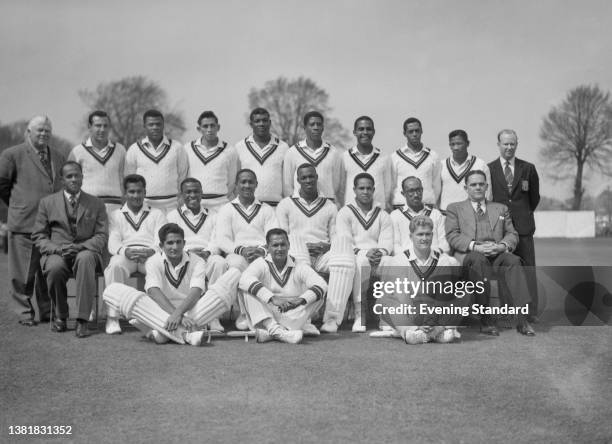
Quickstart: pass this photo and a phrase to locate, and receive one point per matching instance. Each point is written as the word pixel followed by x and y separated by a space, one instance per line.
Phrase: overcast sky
pixel 476 65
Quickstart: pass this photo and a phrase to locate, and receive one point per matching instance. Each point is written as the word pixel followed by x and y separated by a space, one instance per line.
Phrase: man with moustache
pixel 515 183
pixel 264 153
pixel 28 172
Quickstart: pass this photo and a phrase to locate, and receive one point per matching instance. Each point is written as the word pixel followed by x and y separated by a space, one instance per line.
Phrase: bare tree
pixel 126 100
pixel 288 101
pixel 578 134
pixel 14 134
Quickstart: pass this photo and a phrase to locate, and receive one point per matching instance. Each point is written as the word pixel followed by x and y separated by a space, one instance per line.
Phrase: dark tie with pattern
pixel 479 209
pixel 508 174
pixel 45 161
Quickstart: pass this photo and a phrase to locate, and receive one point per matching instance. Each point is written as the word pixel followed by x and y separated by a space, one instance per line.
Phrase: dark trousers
pixel 526 251
pixel 26 276
pixel 57 271
pixel 507 267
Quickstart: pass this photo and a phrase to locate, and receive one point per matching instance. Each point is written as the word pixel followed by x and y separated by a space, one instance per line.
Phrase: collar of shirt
pixel 369 213
pixel 455 164
pixel 303 145
pixel 296 193
pixel 200 146
pixel 410 152
pixel 149 145
pixel 89 144
pixel 67 195
pixel 503 163
pixel 483 205
pixel 187 212
pixel 411 211
pixel 125 209
pixel 356 152
pixel 183 261
pixel 289 263
pixel 274 140
pixel 419 262
pixel 248 209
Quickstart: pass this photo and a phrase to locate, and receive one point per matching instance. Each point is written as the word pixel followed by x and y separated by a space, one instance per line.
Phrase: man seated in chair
pixel 132 239
pixel 369 227
pixel 483 238
pixel 71 231
pixel 175 306
pixel 421 264
pixel 279 296
pixel 198 225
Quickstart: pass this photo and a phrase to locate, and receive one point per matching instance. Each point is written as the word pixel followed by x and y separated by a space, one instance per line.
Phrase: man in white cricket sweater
pixel 423 264
pixel 213 162
pixel 132 239
pixel 102 161
pixel 412 189
pixel 320 154
pixel 161 161
pixel 369 226
pixel 199 226
pixel 415 159
pixel 366 158
pixel 279 295
pixel 455 168
pixel 176 305
pixel 263 153
pixel 241 227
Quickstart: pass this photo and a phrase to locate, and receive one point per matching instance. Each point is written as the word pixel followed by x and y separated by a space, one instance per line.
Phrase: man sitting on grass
pixel 175 306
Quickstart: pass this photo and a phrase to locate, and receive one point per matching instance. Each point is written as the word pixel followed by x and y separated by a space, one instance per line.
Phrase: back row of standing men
pixel 165 163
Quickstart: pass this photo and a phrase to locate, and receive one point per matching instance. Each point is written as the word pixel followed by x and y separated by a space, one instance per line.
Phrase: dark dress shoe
pixel 533 319
pixel 59 325
pixel 490 330
pixel 81 330
pixel 525 329
pixel 28 322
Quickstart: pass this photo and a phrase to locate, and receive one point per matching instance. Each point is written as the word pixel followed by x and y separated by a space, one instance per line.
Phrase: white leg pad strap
pixel 341 274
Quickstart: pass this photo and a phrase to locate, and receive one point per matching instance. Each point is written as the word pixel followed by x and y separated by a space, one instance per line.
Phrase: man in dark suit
pixel 515 183
pixel 483 237
pixel 71 231
pixel 28 172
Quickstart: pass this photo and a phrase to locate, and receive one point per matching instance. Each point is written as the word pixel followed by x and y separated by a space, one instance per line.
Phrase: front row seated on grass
pixel 279 296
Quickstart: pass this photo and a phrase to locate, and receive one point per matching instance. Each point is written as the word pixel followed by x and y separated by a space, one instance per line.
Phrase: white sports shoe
pixel 242 323
pixel 194 337
pixel 384 334
pixel 261 336
pixel 446 336
pixel 357 327
pixel 415 337
pixel 329 326
pixel 215 325
pixel 282 334
pixel 112 326
pixel 157 337
pixel 385 328
pixel 310 330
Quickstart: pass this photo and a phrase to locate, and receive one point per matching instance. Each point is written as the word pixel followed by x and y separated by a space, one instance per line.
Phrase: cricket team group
pixel 278 236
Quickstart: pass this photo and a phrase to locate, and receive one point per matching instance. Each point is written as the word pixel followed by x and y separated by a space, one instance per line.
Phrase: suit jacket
pixel 24 181
pixel 524 196
pixel 461 225
pixel 52 229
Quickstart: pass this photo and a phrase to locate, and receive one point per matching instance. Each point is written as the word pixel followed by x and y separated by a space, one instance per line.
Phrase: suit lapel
pixel 497 173
pixel 82 205
pixel 36 160
pixel 518 170
pixel 468 215
pixel 493 215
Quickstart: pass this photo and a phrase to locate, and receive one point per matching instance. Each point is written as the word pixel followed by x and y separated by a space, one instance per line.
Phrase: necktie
pixel 508 174
pixel 45 161
pixel 479 209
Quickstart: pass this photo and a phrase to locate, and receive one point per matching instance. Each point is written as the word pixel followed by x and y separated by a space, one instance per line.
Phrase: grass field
pixel 337 388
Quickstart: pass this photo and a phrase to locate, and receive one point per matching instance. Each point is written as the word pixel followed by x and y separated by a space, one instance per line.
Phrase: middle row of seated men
pixel 348 244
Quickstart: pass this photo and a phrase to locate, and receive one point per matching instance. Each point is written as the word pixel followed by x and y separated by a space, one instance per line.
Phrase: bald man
pixel 28 172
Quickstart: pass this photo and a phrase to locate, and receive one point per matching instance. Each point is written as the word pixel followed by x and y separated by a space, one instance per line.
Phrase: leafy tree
pixel 288 101
pixel 577 134
pixel 126 100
